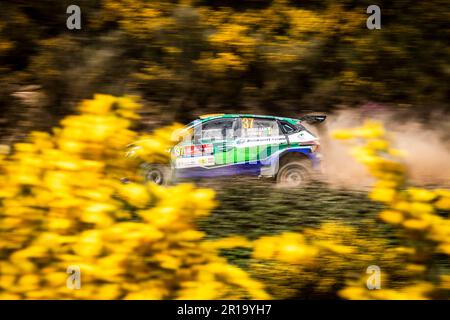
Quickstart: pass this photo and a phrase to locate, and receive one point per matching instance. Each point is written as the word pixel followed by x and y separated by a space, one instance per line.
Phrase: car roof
pixel 209 117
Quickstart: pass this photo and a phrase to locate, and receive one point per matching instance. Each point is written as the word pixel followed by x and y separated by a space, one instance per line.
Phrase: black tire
pixel 156 173
pixel 294 173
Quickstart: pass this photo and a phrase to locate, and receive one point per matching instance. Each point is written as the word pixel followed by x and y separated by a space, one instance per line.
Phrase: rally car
pixel 242 144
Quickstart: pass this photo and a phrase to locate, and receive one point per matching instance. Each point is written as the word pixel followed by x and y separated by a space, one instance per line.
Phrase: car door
pixel 220 134
pixel 207 150
pixel 258 139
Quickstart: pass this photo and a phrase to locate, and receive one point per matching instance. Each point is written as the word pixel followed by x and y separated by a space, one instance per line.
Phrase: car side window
pixel 216 130
pixel 287 128
pixel 257 128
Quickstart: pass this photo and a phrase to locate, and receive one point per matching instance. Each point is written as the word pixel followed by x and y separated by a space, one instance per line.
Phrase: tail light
pixel 315 147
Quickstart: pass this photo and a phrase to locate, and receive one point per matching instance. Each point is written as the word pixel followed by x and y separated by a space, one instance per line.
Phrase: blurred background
pixel 191 57
pixel 278 57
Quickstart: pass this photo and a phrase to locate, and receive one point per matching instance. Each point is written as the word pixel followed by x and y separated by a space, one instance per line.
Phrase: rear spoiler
pixel 313 119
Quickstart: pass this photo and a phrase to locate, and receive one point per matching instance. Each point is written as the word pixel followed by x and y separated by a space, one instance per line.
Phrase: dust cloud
pixel 427 147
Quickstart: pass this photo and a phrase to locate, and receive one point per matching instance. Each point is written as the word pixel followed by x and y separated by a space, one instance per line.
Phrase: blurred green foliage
pixel 186 57
pixel 274 210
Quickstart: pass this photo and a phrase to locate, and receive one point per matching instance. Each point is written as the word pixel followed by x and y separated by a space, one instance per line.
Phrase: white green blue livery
pixel 243 144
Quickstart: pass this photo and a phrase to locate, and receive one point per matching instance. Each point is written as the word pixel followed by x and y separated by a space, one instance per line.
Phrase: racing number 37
pixel 247 123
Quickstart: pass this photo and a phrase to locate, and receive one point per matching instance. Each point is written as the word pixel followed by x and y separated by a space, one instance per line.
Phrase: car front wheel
pixel 158 174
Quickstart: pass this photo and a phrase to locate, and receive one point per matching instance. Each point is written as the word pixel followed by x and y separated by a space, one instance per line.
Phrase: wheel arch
pixel 292 155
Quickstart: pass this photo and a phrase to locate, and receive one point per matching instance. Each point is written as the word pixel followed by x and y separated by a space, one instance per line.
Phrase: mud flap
pixel 270 170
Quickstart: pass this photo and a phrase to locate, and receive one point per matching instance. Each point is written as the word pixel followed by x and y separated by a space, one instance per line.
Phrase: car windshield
pixel 193 123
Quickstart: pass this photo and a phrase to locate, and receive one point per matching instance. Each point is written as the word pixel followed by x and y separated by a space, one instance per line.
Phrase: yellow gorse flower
pixel 62 204
pixel 413 210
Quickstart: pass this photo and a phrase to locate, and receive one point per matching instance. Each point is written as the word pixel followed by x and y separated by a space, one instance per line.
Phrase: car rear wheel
pixel 294 173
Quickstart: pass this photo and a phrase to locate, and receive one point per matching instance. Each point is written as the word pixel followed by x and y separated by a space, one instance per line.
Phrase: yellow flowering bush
pixel 316 262
pixel 62 204
pixel 154 148
pixel 332 259
pixel 420 215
